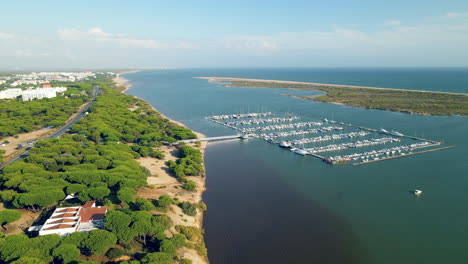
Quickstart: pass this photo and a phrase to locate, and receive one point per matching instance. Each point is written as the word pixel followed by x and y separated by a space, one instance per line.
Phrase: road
pixel 62 130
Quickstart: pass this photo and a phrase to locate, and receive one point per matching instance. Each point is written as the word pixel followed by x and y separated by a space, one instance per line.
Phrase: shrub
pixel 192 233
pixel 114 253
pixel 190 186
pixel 188 208
pixel 165 201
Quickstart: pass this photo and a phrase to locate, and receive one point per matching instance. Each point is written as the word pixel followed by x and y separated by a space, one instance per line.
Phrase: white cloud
pixel 393 23
pixel 433 41
pixel 251 43
pixel 99 36
pixel 453 15
pixel 6 35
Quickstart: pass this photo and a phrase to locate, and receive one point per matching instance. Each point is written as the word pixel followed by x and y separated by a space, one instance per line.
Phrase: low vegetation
pixel 189 163
pixel 424 102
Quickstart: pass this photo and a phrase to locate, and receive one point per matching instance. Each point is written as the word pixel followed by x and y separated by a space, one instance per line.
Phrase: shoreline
pixel 421 102
pixel 160 176
pixel 230 79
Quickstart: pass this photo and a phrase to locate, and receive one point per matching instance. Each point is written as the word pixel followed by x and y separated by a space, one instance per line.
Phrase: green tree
pixel 186 261
pixel 7 195
pixel 190 186
pixel 75 238
pixel 188 208
pixel 75 188
pixel 190 232
pixel 165 201
pixel 157 258
pixel 28 260
pixel 99 241
pixel 98 192
pixel 114 253
pixel 179 240
pixel 8 216
pixel 168 247
pixel 144 204
pixel 126 195
pixel 66 252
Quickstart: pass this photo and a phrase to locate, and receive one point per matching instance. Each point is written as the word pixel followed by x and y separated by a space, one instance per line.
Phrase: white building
pixel 40 93
pixel 67 220
pixel 10 93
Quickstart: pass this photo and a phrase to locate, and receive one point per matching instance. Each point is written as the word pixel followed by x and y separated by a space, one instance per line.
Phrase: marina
pixel 289 131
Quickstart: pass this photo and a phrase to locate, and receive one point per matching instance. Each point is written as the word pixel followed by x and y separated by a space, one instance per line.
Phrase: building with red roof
pixel 67 220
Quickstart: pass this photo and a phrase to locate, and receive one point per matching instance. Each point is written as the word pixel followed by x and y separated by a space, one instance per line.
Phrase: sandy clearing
pixel 17 227
pixel 23 138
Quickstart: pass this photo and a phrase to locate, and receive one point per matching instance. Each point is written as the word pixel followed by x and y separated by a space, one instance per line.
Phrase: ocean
pixel 267 205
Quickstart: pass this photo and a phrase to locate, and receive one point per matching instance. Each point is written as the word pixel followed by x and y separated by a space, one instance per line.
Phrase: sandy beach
pixel 162 182
pixel 120 81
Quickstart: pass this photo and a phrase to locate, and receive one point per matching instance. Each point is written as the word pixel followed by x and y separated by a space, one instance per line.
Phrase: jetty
pixel 403 155
pixel 220 138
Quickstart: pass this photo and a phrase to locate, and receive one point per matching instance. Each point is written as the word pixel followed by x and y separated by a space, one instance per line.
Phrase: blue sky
pixel 233 34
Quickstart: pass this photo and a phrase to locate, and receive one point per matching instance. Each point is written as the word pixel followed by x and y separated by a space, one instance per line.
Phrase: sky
pixel 243 33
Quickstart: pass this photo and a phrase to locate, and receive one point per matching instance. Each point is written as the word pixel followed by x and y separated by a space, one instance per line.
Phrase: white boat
pixel 417 192
pixel 301 152
pixel 246 136
pixel 285 144
pixel 396 133
pixel 383 131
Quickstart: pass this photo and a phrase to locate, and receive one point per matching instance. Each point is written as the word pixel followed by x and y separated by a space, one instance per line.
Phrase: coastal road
pixel 62 130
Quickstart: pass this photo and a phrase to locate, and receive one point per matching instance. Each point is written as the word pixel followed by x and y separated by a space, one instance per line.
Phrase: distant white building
pixel 40 93
pixel 67 220
pixel 10 93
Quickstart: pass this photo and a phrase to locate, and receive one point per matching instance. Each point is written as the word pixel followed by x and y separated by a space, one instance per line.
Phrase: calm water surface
pixel 266 205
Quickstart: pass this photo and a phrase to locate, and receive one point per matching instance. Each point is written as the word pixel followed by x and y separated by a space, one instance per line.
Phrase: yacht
pixel 396 133
pixel 417 192
pixel 301 152
pixel 382 131
pixel 285 144
pixel 246 136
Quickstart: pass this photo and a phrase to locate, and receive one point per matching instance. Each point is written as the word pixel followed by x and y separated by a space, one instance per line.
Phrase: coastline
pixel 328 85
pixel 162 182
pixel 421 102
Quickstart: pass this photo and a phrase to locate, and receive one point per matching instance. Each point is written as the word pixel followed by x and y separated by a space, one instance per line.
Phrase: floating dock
pixel 293 125
pixel 404 155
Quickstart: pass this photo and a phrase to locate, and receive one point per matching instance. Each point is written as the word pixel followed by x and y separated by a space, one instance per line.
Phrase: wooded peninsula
pixel 98 161
pixel 400 100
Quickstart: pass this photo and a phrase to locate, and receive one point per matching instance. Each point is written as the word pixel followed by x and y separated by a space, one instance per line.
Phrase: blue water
pixel 267 205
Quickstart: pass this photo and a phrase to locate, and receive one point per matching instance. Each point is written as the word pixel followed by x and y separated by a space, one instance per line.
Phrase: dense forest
pixel 93 163
pixel 19 116
pixel 111 120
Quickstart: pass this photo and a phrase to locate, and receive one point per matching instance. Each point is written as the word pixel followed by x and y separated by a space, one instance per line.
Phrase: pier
pixel 404 155
pixel 210 139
